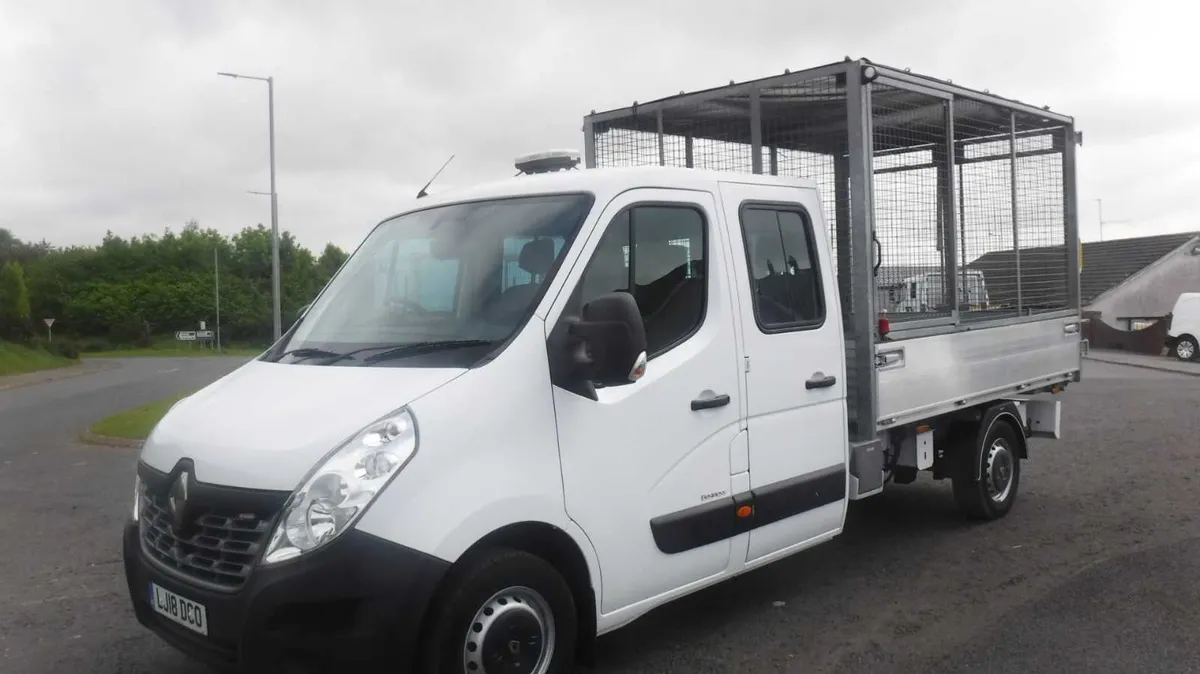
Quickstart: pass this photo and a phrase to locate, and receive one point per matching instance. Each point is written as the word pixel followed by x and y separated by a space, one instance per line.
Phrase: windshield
pixel 441 287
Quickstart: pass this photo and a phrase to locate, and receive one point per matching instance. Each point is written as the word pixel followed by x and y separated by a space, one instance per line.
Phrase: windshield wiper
pixel 308 353
pixel 415 348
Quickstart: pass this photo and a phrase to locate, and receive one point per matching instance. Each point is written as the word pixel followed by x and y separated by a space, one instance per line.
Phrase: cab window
pixel 657 253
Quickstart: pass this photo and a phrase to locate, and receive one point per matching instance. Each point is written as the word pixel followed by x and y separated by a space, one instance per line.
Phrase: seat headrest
pixel 537 256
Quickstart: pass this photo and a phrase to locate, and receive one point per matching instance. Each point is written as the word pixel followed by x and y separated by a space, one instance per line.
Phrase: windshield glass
pixel 440 287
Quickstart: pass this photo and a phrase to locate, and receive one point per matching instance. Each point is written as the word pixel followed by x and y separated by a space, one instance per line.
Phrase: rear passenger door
pixel 794 367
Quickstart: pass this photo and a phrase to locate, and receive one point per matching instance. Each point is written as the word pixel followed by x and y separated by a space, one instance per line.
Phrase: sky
pixel 113 117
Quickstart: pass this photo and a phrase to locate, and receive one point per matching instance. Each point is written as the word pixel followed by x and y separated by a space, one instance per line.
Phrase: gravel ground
pixel 1092 571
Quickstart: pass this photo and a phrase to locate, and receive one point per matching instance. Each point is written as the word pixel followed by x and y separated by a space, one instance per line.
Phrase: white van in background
pixel 1183 329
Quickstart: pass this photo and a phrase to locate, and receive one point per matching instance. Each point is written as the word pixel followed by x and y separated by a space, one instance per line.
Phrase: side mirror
pixel 303 310
pixel 610 341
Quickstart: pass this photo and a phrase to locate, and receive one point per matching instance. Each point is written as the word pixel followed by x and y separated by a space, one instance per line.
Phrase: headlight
pixel 341 486
pixel 137 498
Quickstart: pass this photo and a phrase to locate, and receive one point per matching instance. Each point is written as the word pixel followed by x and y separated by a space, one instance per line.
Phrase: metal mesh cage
pixel 1012 212
pixel 946 207
pixel 804 135
pixel 982 155
pixel 911 189
pixel 712 134
pixel 802 128
pixel 968 200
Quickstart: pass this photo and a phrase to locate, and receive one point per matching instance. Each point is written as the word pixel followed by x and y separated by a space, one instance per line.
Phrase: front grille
pixel 217 547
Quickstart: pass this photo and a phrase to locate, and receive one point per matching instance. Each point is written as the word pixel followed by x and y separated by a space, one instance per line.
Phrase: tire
pixel 1186 349
pixel 504 608
pixel 980 488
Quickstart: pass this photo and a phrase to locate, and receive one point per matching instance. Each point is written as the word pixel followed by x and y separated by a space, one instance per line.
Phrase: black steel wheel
pixel 504 612
pixel 986 486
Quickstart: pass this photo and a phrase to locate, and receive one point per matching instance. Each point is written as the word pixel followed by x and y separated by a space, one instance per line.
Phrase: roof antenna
pixel 423 193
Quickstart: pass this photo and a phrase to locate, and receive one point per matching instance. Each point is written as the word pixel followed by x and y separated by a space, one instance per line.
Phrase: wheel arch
pixel 563 552
pixel 1007 413
pixel 967 434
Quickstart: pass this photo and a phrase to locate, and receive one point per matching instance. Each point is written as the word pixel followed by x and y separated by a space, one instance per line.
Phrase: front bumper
pixel 356 605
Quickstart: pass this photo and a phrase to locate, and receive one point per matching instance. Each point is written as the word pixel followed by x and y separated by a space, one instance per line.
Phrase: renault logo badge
pixel 177 502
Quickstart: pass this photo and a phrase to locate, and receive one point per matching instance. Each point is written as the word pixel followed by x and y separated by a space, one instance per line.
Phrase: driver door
pixel 646 466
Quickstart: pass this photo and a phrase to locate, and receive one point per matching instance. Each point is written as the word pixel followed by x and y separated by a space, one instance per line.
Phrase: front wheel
pixel 987 488
pixel 505 612
pixel 1186 348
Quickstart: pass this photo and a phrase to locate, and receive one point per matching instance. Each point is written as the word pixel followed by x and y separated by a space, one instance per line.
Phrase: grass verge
pixel 136 424
pixel 17 359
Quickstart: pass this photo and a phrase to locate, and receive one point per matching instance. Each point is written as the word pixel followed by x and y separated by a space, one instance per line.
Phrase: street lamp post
pixel 275 292
pixel 217 295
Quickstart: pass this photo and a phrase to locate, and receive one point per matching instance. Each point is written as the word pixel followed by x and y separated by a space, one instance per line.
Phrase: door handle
pixel 819 380
pixel 710 402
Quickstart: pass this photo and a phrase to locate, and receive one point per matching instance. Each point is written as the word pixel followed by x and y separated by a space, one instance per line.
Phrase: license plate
pixel 183 611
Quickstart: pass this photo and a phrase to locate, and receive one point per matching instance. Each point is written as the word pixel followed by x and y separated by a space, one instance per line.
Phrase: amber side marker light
pixel 744 512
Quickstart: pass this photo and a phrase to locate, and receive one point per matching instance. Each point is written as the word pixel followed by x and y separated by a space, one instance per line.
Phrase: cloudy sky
pixel 112 116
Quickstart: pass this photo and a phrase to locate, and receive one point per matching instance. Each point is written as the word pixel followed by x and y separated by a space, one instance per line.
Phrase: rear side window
pixel 785 279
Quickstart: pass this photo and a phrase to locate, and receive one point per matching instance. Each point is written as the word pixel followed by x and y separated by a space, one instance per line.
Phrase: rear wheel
pixel 1186 348
pixel 986 487
pixel 507 611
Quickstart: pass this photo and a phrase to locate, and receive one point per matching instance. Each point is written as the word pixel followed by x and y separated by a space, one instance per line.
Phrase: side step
pixel 866 469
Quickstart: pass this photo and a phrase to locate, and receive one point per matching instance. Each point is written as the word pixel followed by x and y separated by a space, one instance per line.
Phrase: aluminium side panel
pixel 925 377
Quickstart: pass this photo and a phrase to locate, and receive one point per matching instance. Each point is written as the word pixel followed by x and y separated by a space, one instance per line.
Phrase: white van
pixel 527 413
pixel 1183 329
pixel 922 293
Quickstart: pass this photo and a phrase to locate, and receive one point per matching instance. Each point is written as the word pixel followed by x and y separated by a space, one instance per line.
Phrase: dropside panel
pixel 927 376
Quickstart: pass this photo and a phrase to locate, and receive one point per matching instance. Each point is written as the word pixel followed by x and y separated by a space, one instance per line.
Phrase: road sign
pixel 49 329
pixel 186 335
pixel 49 322
pixel 202 325
pixel 204 334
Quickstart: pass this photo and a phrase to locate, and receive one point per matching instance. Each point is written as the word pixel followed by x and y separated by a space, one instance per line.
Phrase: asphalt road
pixel 1094 570
pixel 61 507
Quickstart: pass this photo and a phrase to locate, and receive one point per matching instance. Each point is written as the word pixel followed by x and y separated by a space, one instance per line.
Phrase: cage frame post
pixel 1071 216
pixel 662 150
pixel 756 163
pixel 860 159
pixel 841 218
pixel 946 199
pixel 1016 217
pixel 589 143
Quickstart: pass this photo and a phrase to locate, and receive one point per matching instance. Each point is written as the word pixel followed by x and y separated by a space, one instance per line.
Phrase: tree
pixel 14 302
pixel 331 259
pixel 114 290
